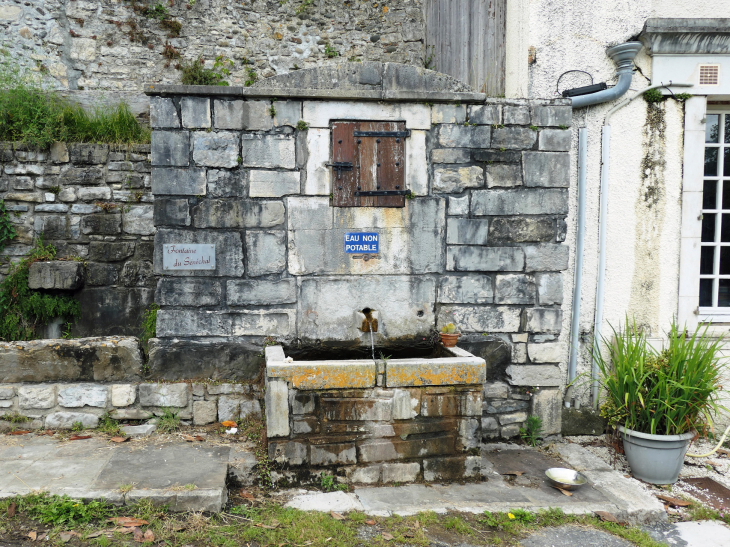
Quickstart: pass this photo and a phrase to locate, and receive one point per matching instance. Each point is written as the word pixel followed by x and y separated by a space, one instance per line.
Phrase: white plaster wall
pixel 644 215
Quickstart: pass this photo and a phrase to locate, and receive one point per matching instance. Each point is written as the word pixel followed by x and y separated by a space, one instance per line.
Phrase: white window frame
pixel 689 312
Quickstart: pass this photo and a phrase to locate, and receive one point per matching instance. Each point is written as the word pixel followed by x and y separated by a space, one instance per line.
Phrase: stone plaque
pixel 188 256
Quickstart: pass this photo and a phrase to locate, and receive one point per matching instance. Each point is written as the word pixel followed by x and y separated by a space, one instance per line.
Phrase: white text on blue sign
pixel 361 242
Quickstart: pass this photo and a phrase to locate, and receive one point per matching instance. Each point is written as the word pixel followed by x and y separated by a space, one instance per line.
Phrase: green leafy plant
pixel 168 422
pixel 562 126
pixel 172 25
pixel 666 392
pixel 149 326
pixel 428 60
pixel 108 425
pixel 76 427
pixel 15 418
pixel 410 195
pixel 534 127
pixel 683 96
pixel 156 11
pixel 194 72
pixel 62 510
pixel 7 230
pixel 302 125
pixel 653 96
pixel 532 431
pixel 303 7
pixel 328 484
pixel 23 310
pixel 268 341
pixel 252 77
pixel 329 51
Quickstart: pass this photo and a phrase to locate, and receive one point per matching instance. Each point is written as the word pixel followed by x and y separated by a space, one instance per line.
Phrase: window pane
pixel 726 195
pixel 723 293
pixel 708 227
pixel 710 162
pixel 725 229
pixel 726 167
pixel 706 293
pixel 727 128
pixel 724 261
pixel 709 195
pixel 707 260
pixel 712 127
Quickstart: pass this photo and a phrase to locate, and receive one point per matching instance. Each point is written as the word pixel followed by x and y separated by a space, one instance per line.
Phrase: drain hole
pixel 420 313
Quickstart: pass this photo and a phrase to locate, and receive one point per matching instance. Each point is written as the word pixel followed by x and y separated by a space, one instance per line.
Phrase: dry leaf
pixel 387 536
pixel 228 423
pixel 65 537
pixel 138 535
pixel 124 530
pixel 673 501
pixel 337 516
pixel 564 492
pixel 119 439
pixel 79 437
pixel 370 522
pixel 11 510
pixel 19 432
pixel 199 438
pixel 246 494
pixel 515 473
pixel 95 534
pixel 266 527
pixel 127 522
pixel 33 535
pixel 149 536
pixel 605 516
pixel 189 438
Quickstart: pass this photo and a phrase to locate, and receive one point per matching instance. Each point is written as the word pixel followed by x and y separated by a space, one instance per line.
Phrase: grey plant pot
pixel 656 459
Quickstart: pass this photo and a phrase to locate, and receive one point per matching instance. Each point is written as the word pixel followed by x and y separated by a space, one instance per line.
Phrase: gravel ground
pixel 716 466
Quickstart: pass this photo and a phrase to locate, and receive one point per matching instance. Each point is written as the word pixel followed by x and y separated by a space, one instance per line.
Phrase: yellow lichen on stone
pixel 320 375
pixel 435 374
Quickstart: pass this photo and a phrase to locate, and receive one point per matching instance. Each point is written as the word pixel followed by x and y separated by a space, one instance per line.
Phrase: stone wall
pixel 112 45
pixel 480 243
pixel 93 203
pixel 58 382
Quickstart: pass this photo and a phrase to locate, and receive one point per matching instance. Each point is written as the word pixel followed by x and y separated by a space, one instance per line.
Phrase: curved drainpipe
pixel 623 55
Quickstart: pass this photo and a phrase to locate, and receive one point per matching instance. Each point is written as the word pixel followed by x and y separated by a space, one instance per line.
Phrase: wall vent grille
pixel 709 74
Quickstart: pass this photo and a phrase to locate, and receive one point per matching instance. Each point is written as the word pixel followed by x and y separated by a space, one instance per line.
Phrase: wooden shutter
pixel 377 163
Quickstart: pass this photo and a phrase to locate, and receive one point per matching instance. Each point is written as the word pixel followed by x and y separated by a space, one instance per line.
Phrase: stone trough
pixel 376 420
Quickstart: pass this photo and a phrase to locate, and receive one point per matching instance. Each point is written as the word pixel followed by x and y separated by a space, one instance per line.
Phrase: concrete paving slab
pixel 705 533
pixel 340 502
pixel 165 466
pixel 573 536
pixel 137 431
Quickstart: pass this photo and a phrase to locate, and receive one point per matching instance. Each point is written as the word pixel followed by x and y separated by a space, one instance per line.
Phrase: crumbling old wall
pixel 92 202
pixel 112 45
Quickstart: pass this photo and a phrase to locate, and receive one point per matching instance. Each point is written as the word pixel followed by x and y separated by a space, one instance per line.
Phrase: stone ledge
pixel 101 359
pixel 325 374
pixel 451 371
pixel 166 90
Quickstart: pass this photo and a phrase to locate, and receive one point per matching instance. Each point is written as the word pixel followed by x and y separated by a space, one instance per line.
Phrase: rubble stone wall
pixel 93 203
pixel 113 45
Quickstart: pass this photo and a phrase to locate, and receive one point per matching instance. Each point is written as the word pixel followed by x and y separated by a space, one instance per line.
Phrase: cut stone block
pixel 170 148
pixel 264 184
pixel 79 395
pixel 64 275
pixel 216 149
pixel 195 112
pixel 67 420
pixel 163 395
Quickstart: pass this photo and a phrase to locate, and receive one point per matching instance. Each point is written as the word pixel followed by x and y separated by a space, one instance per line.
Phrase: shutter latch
pixel 340 166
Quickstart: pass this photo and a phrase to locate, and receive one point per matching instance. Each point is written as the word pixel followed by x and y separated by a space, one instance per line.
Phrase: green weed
pixel 302 125
pixel 7 230
pixel 168 422
pixel 63 511
pixel 77 427
pixel 149 326
pixel 328 484
pixel 531 433
pixel 23 310
pixel 653 96
pixel 15 418
pixel 109 425
pixel 194 73
pixel 28 114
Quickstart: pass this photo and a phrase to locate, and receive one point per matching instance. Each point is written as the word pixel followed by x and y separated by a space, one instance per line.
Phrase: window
pixel 368 164
pixel 715 235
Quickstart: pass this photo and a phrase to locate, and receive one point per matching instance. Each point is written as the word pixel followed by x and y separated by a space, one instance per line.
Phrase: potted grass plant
pixel 659 400
pixel 449 336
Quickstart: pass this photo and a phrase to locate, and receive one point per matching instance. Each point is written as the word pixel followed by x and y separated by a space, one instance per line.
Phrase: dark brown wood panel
pixel 368 163
pixel 379 163
pixel 391 165
pixel 344 183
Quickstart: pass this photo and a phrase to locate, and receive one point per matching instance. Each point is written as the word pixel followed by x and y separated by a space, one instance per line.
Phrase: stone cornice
pixel 686 36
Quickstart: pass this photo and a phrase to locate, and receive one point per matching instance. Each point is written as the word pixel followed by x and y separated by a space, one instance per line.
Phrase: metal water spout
pixel 370 322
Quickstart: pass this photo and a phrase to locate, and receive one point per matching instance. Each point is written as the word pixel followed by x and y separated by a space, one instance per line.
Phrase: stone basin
pixel 455 367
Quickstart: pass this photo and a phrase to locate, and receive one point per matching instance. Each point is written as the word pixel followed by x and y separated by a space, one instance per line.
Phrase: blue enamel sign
pixel 361 242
